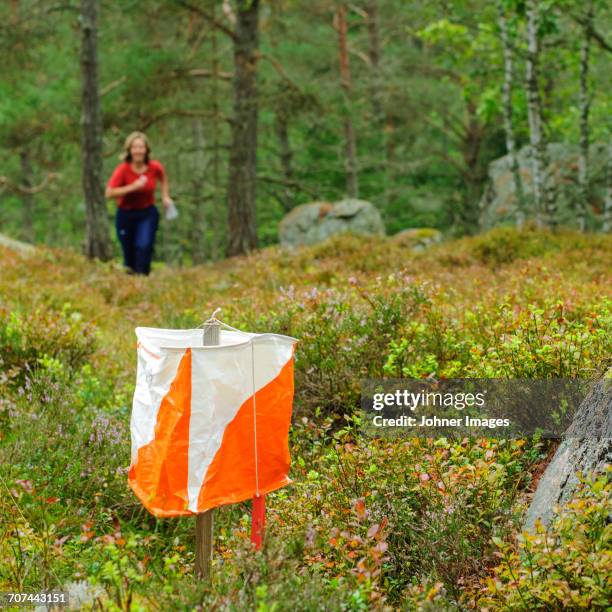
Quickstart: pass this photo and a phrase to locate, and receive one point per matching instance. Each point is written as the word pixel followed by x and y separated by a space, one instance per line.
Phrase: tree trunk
pixel 539 152
pixel 28 233
pixel 97 239
pixel 607 214
pixel 242 228
pixel 286 157
pixel 383 127
pixel 198 226
pixel 352 186
pixel 474 173
pixel 217 216
pixel 585 104
pixel 374 55
pixel 390 161
pixel 508 115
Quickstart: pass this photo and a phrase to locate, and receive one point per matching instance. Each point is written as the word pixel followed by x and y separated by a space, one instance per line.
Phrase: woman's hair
pixel 126 155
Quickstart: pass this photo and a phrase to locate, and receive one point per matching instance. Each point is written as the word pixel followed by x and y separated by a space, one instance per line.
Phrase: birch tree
pixel 534 108
pixel 507 111
pixel 585 104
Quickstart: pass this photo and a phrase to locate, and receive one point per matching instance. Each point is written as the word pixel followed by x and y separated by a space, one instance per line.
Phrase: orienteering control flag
pixel 209 424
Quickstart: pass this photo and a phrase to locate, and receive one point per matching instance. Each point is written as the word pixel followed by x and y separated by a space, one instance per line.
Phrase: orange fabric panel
pixel 231 475
pixel 159 475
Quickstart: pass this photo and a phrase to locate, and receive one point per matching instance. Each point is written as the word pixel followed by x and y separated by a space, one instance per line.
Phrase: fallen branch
pixel 201 72
pixel 108 88
pixel 6 183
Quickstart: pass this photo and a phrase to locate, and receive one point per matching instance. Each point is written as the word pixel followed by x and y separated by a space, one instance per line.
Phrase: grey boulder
pixel 312 223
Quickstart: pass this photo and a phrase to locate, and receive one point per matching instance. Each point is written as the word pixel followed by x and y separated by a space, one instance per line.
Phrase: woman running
pixel 133 185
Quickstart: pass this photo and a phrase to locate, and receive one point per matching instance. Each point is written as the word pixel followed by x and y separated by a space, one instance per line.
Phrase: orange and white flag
pixel 209 424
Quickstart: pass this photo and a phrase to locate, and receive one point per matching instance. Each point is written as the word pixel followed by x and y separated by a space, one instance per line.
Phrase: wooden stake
pixel 205 520
pixel 204 544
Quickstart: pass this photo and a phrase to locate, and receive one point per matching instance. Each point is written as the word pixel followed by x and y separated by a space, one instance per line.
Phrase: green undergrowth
pixel 366 524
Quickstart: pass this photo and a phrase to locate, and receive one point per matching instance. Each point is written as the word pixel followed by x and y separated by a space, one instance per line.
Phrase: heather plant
pixel 391 513
pixel 27 336
pixel 342 333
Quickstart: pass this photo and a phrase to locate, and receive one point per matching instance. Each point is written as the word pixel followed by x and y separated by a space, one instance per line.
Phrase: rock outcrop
pixel 499 201
pixel 16 245
pixel 586 447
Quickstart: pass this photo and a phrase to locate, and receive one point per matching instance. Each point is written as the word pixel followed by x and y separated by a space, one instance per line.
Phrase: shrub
pixel 503 245
pixel 342 335
pixel 510 340
pixel 394 513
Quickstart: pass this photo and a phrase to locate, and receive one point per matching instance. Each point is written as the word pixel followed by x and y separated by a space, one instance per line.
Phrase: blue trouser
pixel 136 232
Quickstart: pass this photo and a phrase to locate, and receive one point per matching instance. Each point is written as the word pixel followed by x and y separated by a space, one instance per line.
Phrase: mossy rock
pixel 418 238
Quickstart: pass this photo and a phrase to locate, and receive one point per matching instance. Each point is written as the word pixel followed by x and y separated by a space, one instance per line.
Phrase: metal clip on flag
pixel 210 418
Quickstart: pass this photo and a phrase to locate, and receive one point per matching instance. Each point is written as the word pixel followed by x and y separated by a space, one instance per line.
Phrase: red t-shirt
pixel 145 196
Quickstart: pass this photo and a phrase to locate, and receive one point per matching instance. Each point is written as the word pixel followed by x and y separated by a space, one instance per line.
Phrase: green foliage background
pixel 438 85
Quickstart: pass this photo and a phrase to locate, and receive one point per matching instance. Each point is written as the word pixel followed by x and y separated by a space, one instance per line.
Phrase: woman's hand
pixel 139 183
pixel 167 200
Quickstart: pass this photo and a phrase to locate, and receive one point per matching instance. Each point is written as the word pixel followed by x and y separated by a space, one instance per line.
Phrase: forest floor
pixel 366 524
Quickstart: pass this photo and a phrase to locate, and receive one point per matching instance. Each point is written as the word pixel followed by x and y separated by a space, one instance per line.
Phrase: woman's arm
pixel 166 199
pixel 113 192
